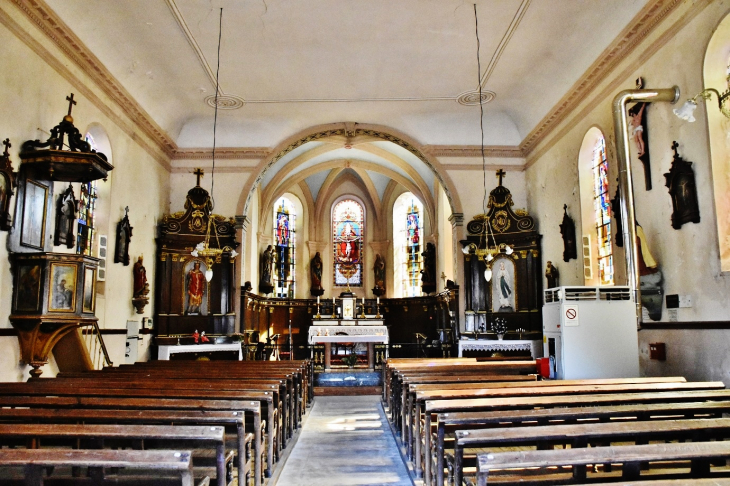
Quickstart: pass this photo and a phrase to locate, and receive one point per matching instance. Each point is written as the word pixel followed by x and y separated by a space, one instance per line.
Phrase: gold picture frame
pixel 89 294
pixel 62 291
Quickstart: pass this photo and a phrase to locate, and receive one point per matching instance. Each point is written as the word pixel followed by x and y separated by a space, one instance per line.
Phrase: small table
pixel 352 334
pixel 533 346
pixel 164 352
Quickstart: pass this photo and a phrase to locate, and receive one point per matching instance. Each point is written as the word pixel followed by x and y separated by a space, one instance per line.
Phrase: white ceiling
pixel 395 63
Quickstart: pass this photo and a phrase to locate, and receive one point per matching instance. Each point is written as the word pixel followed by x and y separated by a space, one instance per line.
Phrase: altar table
pixel 349 334
pixel 164 352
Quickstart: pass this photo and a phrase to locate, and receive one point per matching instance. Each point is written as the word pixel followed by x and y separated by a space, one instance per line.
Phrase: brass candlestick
pixel 318 316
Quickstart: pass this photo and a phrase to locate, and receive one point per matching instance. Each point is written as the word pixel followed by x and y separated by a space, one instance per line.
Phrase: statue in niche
pixel 551 274
pixel 65 218
pixel 267 264
pixel 379 274
pixel 315 270
pixel 567 230
pixel 141 287
pixel 195 288
pixel 428 274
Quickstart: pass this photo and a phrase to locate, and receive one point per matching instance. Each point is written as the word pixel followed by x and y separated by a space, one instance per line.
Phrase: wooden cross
pixel 7 144
pixel 126 211
pixel 71 102
pixel 501 174
pixel 198 173
pixel 675 146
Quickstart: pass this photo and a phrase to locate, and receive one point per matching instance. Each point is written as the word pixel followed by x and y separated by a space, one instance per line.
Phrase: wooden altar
pixel 369 334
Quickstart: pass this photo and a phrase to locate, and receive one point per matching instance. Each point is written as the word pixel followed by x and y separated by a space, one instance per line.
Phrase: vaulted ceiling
pixel 286 66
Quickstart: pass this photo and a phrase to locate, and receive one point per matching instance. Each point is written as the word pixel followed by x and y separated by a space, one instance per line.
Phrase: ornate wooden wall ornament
pixel 66 208
pixel 7 184
pixel 567 230
pixel 681 183
pixel 516 230
pixel 184 302
pixel 123 237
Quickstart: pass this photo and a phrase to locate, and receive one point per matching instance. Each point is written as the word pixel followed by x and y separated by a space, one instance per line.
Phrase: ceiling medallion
pixel 470 98
pixel 225 102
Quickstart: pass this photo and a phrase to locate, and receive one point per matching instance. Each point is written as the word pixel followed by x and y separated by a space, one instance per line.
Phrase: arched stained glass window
pixel 285 244
pixel 408 229
pixel 87 212
pixel 348 226
pixel 602 209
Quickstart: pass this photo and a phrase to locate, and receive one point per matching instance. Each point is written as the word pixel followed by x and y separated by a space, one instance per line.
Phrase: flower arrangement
pixel 350 360
pixel 499 325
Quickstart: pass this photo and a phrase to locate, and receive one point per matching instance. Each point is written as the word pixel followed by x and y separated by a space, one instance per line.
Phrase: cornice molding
pixel 232 153
pixel 511 151
pixel 218 170
pixel 63 37
pixel 643 24
pixel 489 167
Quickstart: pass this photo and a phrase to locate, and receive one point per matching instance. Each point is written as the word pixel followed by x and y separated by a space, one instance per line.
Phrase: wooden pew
pixel 562 399
pixel 580 435
pixel 40 388
pixel 142 405
pixel 194 436
pixel 700 454
pixel 35 460
pixel 243 443
pixel 415 392
pixel 504 418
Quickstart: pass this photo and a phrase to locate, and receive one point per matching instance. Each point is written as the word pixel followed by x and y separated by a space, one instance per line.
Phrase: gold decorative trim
pixel 233 153
pixel 511 151
pixel 643 24
pixel 63 37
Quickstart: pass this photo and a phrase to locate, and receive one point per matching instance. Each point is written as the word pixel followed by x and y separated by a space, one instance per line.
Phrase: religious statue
pixel 505 291
pixel 66 219
pixel 379 273
pixel 315 269
pixel 124 235
pixel 267 264
pixel 551 273
pixel 141 287
pixel 567 230
pixel 428 274
pixel 196 287
pixel 204 338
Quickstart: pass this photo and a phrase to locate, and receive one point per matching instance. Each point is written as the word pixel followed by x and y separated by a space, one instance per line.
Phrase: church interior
pixel 355 185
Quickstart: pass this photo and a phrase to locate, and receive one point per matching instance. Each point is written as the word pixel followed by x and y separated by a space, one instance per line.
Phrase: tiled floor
pixel 344 441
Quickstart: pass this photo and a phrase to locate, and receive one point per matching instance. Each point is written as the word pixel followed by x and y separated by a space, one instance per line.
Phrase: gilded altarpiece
pixel 185 300
pixel 511 250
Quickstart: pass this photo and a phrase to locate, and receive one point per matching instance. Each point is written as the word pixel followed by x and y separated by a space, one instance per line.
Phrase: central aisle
pixel 345 441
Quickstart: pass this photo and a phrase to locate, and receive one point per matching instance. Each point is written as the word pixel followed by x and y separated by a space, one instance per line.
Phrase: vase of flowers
pixel 499 327
pixel 350 360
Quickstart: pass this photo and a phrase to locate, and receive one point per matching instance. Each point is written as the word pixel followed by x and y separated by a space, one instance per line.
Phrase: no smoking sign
pixel 571 315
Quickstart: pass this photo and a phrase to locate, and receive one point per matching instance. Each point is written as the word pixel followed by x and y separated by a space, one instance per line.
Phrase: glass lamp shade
pixel 686 111
pixel 490 257
pixel 488 274
pixel 465 249
pixel 508 250
pixel 208 275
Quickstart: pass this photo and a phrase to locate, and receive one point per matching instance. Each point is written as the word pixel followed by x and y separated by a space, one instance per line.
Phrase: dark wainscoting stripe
pixel 8 332
pixel 689 326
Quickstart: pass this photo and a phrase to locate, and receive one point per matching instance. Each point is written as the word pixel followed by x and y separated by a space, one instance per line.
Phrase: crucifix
pixel 501 173
pixel 198 173
pixel 71 102
pixel 7 144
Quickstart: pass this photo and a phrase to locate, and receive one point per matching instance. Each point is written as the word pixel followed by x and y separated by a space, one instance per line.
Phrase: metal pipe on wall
pixel 620 127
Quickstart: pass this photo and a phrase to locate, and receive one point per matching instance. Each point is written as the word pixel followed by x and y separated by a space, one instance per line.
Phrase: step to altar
pixel 348 378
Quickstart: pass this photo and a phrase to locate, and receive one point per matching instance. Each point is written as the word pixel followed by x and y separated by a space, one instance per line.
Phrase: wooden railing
pixel 94 343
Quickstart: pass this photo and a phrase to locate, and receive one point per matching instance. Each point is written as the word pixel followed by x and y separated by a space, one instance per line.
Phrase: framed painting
pixel 89 297
pixel 62 294
pixel 28 296
pixel 33 230
pixel 503 284
pixel 195 300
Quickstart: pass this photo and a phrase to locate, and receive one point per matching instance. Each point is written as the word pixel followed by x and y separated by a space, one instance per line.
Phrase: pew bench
pixel 432 407
pixel 448 423
pixel 243 443
pixel 145 405
pixel 35 461
pixel 699 457
pixel 582 435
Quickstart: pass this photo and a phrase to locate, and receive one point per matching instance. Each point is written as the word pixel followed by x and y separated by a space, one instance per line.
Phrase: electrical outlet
pixel 685 301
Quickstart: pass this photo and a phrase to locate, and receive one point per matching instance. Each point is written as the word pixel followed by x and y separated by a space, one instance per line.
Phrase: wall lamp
pixel 686 111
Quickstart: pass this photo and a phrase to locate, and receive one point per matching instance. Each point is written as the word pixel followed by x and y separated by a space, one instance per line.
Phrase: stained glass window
pixel 408 229
pixel 87 213
pixel 348 227
pixel 285 243
pixel 602 210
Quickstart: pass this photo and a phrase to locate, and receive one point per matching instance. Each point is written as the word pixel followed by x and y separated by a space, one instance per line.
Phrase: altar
pixel 164 351
pixel 333 331
pixel 533 346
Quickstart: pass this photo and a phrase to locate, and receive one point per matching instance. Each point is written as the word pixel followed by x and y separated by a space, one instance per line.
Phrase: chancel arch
pixel 716 70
